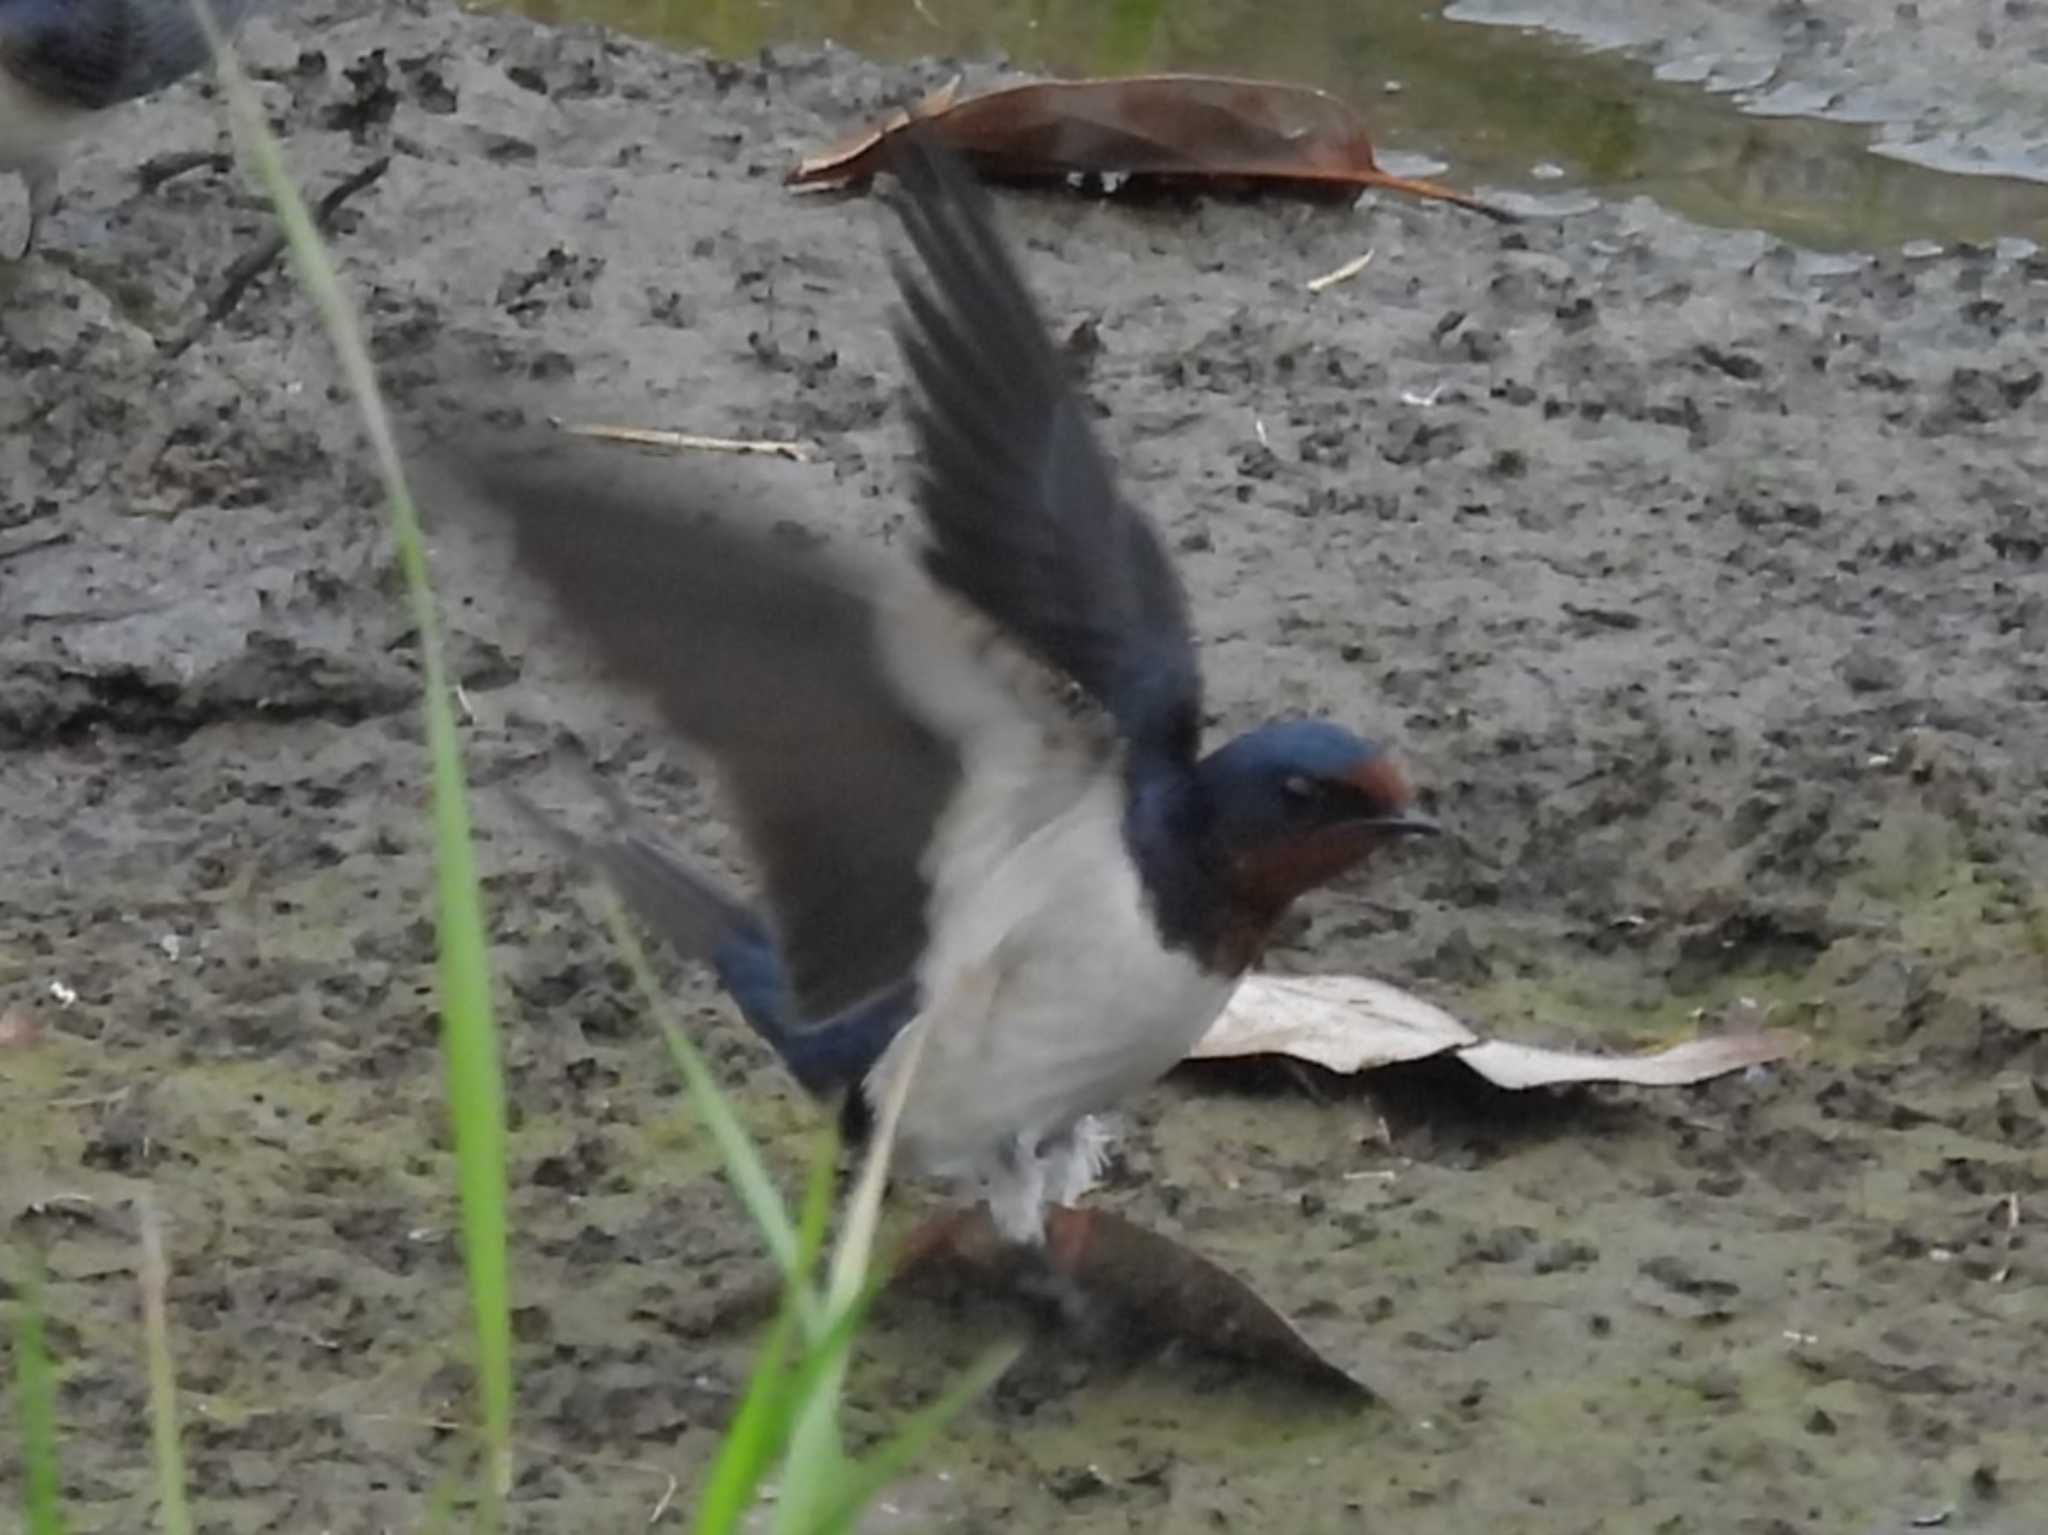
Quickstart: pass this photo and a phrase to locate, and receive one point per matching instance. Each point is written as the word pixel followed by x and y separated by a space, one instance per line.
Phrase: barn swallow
pixel 65 63
pixel 992 850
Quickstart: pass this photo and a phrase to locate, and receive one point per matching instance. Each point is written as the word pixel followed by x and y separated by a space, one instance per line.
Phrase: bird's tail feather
pixel 700 921
pixel 686 910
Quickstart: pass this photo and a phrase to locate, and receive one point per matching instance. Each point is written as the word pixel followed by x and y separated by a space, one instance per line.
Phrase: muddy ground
pixel 1705 590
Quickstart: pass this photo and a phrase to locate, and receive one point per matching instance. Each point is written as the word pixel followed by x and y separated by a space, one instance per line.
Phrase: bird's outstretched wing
pixel 92 54
pixel 1023 513
pixel 769 660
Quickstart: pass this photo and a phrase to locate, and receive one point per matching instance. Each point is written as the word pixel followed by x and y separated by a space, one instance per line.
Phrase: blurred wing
pixel 768 660
pixel 93 54
pixel 1024 516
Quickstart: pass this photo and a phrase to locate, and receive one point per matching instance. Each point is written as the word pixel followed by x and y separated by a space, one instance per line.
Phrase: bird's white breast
pixel 1048 993
pixel 31 128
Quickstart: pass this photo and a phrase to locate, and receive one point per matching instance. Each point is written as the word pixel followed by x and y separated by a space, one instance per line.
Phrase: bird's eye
pixel 1300 789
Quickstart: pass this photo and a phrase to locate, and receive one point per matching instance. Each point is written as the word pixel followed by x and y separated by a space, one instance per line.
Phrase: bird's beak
pixel 1383 784
pixel 1406 823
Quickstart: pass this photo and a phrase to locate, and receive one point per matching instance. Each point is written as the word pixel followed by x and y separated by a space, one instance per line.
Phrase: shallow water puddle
pixel 1488 105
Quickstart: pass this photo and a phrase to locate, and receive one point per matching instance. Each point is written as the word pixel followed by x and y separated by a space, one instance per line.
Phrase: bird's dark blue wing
pixel 92 54
pixel 766 658
pixel 1024 516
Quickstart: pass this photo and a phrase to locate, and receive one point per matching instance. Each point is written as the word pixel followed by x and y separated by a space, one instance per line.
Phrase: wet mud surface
pixel 1702 583
pixel 1950 84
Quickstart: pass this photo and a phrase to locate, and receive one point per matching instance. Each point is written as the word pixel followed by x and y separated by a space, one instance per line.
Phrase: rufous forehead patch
pixel 1382 781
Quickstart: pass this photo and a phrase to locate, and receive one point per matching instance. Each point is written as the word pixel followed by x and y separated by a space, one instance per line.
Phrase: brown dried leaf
pixel 837 163
pixel 1205 127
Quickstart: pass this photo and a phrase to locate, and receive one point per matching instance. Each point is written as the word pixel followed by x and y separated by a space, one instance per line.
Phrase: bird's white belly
pixel 31 129
pixel 1064 1038
pixel 1049 996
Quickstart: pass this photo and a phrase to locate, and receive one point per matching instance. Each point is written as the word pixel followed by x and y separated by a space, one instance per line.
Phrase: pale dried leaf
pixel 1352 1023
pixel 1343 1022
pixel 1696 1060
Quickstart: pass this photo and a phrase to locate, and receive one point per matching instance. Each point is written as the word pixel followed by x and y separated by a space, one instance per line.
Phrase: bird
pixel 64 64
pixel 994 854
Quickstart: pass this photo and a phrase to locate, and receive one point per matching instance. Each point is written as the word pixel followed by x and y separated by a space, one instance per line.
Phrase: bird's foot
pixel 933 1241
pixel 1047 1268
pixel 1050 1269
pixel 1040 1283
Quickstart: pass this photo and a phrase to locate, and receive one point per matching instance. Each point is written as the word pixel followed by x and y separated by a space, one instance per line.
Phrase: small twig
pixel 686 442
pixel 2011 1202
pixel 30 545
pixel 158 169
pixel 667 1497
pixel 93 1100
pixel 52 1201
pixel 111 615
pixel 258 259
pixel 1344 273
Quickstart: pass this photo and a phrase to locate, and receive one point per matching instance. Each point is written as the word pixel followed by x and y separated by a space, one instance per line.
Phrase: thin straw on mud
pixel 475 1082
pixel 666 440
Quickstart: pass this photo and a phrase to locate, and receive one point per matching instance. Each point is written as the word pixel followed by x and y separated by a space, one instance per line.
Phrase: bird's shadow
pixel 1106 1302
pixel 1110 1343
pixel 1437 1111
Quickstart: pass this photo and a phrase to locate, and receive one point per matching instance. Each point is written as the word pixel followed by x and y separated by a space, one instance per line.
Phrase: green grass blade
pixel 744 1168
pixel 755 1435
pixel 816 1211
pixel 816 1464
pixel 855 1255
pixel 469 1028
pixel 862 1483
pixel 760 1428
pixel 35 1402
pixel 163 1380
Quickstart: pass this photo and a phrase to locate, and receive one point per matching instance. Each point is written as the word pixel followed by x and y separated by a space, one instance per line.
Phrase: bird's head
pixel 1292 805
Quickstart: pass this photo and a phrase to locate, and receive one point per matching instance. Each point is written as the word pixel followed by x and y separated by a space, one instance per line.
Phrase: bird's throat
pixel 1264 881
